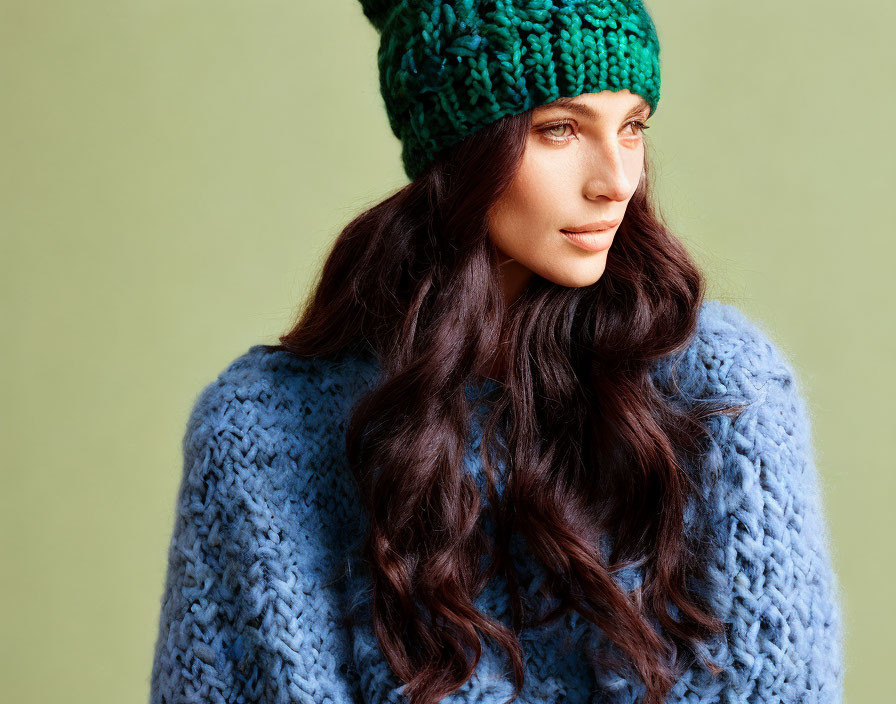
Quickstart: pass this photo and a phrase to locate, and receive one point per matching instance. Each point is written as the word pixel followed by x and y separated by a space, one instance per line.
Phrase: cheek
pixel 634 170
pixel 516 232
pixel 504 231
pixel 528 212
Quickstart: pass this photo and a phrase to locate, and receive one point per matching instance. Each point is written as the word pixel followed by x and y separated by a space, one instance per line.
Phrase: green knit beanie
pixel 450 67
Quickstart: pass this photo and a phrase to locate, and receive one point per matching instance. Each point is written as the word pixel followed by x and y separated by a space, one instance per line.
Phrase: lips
pixel 593 226
pixel 592 241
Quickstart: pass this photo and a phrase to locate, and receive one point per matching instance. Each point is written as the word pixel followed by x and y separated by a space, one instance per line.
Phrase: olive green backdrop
pixel 173 172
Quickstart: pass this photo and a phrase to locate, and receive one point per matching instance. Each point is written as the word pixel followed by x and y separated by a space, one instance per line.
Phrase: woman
pixel 508 450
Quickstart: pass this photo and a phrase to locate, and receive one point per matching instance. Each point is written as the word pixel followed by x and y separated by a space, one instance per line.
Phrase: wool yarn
pixel 450 67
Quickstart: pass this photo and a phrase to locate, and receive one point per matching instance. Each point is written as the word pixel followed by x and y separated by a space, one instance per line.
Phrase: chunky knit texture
pixel 264 562
pixel 450 67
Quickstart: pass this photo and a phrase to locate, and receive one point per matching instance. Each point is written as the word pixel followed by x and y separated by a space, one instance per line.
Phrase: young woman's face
pixel 572 175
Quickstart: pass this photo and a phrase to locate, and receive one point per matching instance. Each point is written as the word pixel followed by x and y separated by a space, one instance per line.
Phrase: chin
pixel 573 278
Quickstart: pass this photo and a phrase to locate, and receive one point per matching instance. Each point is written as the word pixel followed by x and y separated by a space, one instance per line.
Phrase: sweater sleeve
pixel 251 605
pixel 779 594
pixel 203 647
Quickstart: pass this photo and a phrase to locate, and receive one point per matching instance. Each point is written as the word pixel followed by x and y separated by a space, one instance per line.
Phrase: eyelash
pixel 547 128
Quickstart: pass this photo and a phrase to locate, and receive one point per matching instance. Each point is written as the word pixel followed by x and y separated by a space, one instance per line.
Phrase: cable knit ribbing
pixel 262 564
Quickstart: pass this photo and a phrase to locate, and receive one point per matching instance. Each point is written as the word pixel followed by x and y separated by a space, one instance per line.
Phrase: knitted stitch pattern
pixel 264 555
pixel 450 67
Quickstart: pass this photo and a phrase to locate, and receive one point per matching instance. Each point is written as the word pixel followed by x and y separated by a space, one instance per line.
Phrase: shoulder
pixel 730 355
pixel 744 361
pixel 271 424
pixel 266 387
pixel 270 428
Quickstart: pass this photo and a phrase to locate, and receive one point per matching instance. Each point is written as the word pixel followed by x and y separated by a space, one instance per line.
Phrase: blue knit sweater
pixel 261 565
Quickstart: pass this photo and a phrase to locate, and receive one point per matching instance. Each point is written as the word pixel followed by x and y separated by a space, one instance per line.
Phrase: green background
pixel 172 174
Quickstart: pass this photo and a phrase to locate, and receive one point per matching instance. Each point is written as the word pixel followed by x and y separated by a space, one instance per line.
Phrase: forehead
pixel 596 104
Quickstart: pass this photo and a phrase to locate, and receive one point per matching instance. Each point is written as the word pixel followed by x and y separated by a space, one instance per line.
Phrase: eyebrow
pixel 573 106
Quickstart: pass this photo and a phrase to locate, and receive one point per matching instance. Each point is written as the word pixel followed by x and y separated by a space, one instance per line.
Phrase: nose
pixel 605 173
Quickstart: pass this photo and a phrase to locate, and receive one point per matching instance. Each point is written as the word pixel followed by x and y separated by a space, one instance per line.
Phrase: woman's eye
pixel 558 127
pixel 550 131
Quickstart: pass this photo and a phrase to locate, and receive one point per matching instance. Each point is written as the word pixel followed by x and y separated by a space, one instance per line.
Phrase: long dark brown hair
pixel 594 444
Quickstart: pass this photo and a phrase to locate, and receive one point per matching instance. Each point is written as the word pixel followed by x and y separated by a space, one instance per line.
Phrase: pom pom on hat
pixel 377 11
